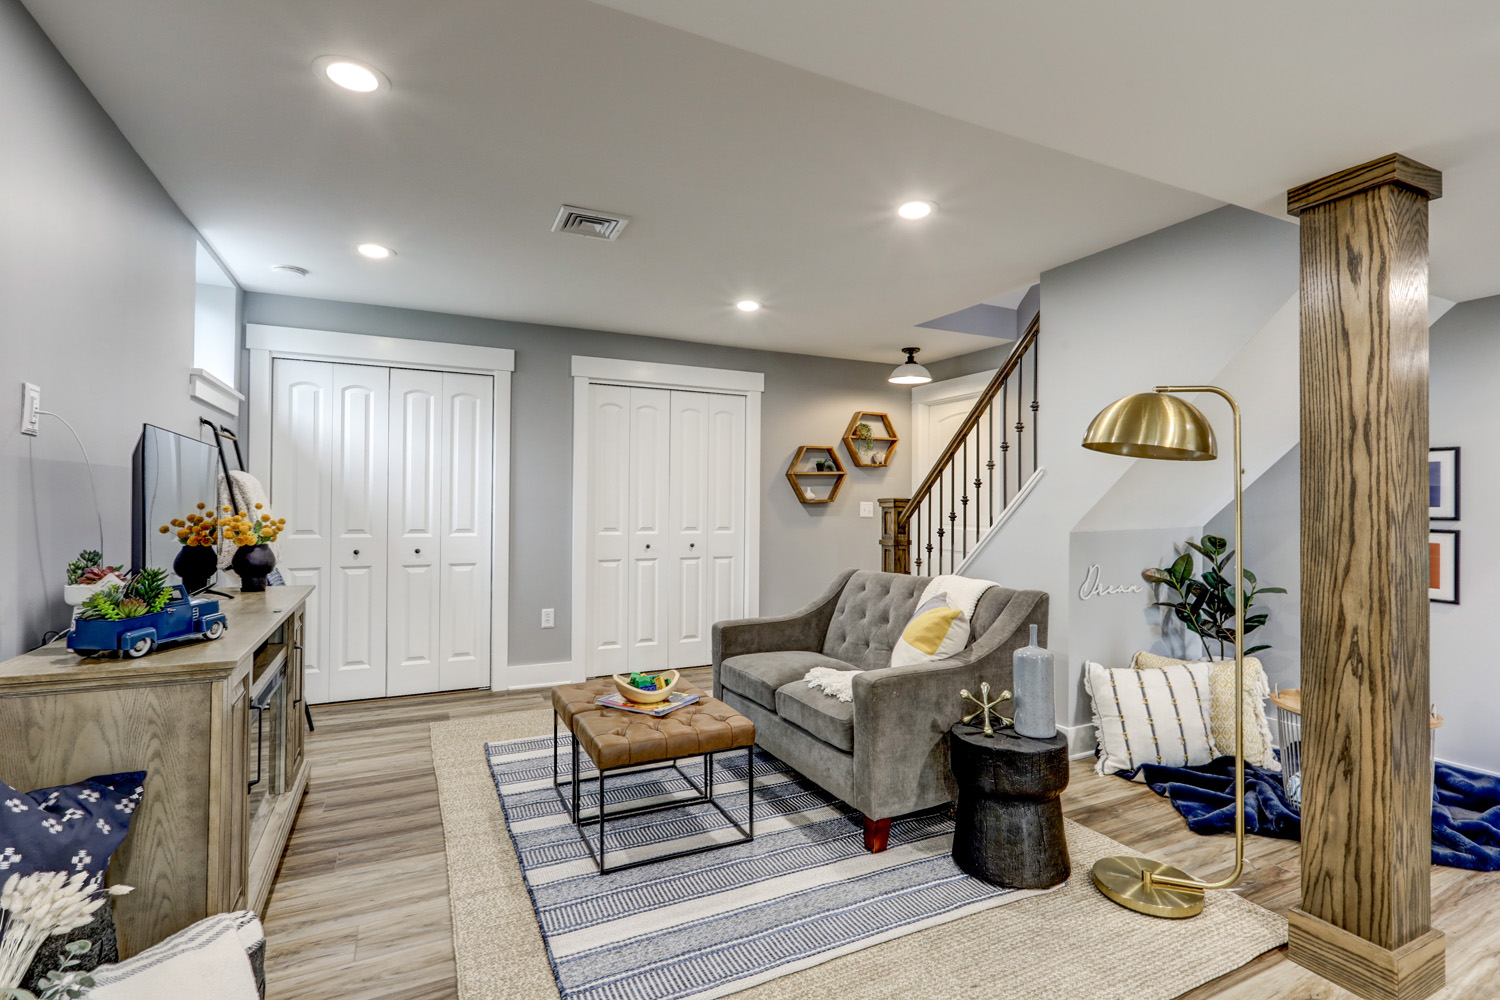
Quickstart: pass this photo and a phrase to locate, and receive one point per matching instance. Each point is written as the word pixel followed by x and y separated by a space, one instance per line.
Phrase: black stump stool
pixel 1010 822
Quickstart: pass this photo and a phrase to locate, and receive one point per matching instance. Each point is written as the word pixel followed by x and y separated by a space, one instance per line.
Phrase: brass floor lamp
pixel 1161 426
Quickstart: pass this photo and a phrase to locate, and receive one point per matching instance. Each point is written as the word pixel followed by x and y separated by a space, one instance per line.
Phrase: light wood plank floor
pixel 362 896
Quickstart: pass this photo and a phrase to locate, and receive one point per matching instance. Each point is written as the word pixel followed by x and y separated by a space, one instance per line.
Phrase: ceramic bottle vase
pixel 1032 683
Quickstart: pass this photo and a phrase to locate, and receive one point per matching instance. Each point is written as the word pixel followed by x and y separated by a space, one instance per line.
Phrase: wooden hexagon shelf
pixel 880 445
pixel 811 484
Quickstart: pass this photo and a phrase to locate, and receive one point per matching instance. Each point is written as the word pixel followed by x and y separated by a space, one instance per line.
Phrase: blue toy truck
pixel 182 618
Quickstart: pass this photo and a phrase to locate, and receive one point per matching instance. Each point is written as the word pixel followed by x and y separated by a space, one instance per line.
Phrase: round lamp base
pixel 1119 878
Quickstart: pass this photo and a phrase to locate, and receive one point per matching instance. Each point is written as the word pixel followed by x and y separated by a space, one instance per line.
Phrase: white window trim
pixel 653 375
pixel 266 343
pixel 210 390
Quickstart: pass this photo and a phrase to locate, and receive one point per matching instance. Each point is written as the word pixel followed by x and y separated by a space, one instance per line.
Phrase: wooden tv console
pixel 207 836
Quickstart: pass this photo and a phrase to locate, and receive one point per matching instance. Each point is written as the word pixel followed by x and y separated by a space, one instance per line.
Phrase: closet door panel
pixel 724 528
pixel 415 497
pixel 467 550
pixel 650 537
pixel 301 443
pixel 359 488
pixel 607 630
pixel 690 623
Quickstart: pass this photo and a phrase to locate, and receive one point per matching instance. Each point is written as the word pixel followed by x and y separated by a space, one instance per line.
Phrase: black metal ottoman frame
pixel 705 797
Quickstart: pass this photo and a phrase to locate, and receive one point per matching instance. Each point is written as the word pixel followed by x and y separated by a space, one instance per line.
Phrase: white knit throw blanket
pixel 832 681
pixel 963 592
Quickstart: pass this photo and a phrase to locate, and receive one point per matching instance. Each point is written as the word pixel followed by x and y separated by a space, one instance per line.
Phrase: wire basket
pixel 1289 739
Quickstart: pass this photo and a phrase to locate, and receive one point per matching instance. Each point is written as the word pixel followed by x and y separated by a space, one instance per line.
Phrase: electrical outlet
pixel 867 508
pixel 31 402
pixel 549 618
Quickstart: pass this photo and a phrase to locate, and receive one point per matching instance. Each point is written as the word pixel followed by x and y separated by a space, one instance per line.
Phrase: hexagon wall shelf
pixel 811 484
pixel 880 445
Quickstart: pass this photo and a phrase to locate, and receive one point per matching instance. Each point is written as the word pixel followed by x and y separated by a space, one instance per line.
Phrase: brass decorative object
pixel 1161 426
pixel 986 705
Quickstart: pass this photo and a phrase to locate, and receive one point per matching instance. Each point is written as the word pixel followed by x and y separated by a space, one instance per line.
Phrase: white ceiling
pixel 1236 101
pixel 744 176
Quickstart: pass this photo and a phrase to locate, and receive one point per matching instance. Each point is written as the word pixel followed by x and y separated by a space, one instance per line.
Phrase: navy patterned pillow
pixel 72 828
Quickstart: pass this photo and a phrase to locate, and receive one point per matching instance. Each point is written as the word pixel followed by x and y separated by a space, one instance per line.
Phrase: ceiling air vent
pixel 588 222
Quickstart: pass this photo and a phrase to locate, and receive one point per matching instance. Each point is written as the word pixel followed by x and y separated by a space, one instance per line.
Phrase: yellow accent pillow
pixel 1221 710
pixel 935 632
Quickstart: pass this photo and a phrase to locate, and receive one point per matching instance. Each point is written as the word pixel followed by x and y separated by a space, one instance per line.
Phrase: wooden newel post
pixel 1364 922
pixel 895 545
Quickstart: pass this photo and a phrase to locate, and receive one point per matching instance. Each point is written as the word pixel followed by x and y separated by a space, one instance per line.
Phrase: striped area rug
pixel 803 892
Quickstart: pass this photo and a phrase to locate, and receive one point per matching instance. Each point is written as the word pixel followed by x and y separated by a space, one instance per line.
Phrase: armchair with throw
pixel 886 752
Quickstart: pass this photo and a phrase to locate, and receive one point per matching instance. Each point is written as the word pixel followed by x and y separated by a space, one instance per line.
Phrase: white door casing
pixel 302 412
pixel 359 489
pixel 467 489
pixel 413 586
pixel 608 541
pixel 938 409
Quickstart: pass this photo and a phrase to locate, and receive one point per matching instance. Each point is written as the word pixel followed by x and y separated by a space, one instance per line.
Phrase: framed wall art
pixel 1442 484
pixel 1442 558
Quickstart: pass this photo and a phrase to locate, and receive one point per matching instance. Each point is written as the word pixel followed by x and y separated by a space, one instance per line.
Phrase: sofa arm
pixel 902 714
pixel 804 629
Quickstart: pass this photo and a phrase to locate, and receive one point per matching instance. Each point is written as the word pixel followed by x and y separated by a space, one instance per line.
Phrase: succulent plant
pixel 149 586
pixel 96 573
pixel 132 607
pixel 87 559
pixel 103 605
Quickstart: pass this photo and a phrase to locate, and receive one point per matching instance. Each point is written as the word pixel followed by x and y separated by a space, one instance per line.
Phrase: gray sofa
pixel 886 753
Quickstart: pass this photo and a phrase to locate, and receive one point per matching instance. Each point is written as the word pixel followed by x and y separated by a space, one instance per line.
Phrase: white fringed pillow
pixel 1221 708
pixel 1152 715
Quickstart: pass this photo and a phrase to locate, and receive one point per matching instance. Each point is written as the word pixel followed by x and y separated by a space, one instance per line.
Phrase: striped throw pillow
pixel 1221 711
pixel 1154 715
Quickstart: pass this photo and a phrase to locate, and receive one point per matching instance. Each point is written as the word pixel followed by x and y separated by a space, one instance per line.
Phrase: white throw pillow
pixel 1154 715
pixel 935 631
pixel 1221 712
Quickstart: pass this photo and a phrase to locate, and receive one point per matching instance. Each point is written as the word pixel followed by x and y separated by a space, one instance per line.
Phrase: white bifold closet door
pixel 385 477
pixel 666 535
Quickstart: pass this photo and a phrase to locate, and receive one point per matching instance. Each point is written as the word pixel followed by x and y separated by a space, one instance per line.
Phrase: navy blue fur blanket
pixel 1465 811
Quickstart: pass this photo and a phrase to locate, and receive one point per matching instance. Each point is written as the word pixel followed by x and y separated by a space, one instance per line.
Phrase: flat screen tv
pixel 170 475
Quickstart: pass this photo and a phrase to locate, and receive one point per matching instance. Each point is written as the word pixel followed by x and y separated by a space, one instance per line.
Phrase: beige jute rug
pixel 1072 944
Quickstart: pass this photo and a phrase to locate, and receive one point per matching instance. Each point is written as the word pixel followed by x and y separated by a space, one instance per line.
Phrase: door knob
pixel 419 551
pixel 356 551
pixel 692 545
pixel 648 545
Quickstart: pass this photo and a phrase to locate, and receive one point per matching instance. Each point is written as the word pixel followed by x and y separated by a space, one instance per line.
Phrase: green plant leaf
pixel 1182 569
pixel 1248 575
pixel 1271 590
pixel 1214 544
pixel 1255 649
pixel 1197 548
pixel 1154 575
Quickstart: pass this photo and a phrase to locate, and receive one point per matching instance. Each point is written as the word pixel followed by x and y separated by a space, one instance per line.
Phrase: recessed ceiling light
pixel 747 305
pixel 351 74
pixel 375 251
pixel 289 270
pixel 916 210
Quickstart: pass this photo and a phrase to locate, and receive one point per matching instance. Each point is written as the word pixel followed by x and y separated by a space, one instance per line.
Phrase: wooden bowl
pixel 635 694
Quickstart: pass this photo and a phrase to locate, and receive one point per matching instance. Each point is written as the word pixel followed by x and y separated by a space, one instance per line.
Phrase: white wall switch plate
pixel 867 508
pixel 31 402
pixel 549 618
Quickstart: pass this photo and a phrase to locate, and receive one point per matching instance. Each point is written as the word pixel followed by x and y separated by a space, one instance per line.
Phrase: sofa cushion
pixel 829 719
pixel 872 611
pixel 758 675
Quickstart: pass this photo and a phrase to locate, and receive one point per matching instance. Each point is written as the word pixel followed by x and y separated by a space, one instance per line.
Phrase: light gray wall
pixel 1109 628
pixel 1273 517
pixel 1465 381
pixel 1174 306
pixel 807 400
pixel 96 307
pixel 990 358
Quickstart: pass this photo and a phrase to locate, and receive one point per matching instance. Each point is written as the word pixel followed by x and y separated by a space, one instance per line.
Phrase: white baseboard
pixel 1081 741
pixel 528 676
pixel 1468 767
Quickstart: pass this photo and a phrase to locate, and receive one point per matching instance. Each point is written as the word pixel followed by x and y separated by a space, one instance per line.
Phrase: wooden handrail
pixel 981 405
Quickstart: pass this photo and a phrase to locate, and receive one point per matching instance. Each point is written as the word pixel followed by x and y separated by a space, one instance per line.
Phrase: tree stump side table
pixel 1010 822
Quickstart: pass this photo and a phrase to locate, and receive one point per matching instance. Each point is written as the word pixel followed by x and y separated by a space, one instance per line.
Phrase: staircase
pixel 935 529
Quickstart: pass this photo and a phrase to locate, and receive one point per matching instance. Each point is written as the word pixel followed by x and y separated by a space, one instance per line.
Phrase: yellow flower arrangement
pixel 240 528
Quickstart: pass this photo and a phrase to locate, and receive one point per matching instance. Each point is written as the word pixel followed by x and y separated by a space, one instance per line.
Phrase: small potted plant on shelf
pixel 134 617
pixel 863 440
pixel 252 532
pixel 87 576
pixel 198 561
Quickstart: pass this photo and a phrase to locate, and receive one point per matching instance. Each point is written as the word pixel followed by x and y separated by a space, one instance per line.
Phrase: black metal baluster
pixel 991 464
pixel 1036 380
pixel 978 477
pixel 965 500
pixel 1020 424
pixel 915 532
pixel 1004 445
pixel 952 516
pixel 940 525
pixel 928 501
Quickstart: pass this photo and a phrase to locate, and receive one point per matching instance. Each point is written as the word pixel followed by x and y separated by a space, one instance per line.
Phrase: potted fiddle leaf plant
pixel 1204 603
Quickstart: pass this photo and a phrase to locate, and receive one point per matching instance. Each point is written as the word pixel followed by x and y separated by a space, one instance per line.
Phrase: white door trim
pixel 923 397
pixel 268 342
pixel 654 375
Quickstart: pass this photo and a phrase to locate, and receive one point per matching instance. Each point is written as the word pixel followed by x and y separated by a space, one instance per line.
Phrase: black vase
pixel 253 563
pixel 196 565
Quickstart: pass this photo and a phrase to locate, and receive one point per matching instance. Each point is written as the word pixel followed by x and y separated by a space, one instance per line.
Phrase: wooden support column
pixel 895 545
pixel 1364 922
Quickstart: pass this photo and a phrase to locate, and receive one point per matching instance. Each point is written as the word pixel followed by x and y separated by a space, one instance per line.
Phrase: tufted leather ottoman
pixel 615 739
